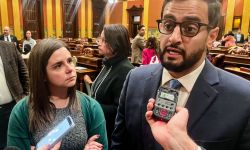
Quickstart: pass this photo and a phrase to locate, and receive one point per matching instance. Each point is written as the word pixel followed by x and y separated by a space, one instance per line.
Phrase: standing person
pixel 149 54
pixel 53 97
pixel 9 38
pixel 239 36
pixel 106 89
pixel 14 84
pixel 28 40
pixel 216 114
pixel 138 44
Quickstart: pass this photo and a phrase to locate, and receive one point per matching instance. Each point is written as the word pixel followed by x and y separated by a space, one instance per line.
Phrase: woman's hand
pixel 92 144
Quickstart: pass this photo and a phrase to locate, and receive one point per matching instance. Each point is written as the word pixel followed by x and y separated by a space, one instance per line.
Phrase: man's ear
pixel 212 35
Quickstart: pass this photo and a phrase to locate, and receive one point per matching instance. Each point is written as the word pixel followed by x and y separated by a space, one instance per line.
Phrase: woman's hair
pixel 117 38
pixel 40 107
pixel 151 43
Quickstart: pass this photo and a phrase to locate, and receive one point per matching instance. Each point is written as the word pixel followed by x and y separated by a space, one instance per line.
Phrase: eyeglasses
pixel 187 28
pixel 100 40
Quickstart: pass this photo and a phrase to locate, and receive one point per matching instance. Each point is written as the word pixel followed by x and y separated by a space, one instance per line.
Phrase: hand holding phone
pixel 56 134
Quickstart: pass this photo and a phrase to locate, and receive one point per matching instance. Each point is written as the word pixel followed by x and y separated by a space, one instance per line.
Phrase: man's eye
pixel 190 28
pixel 169 26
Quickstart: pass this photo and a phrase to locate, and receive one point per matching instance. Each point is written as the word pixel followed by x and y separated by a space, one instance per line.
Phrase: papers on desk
pixel 80 68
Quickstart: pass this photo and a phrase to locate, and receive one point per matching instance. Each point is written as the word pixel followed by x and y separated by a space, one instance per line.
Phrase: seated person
pixel 228 40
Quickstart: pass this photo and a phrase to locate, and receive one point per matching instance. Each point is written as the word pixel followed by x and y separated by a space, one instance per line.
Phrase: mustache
pixel 175 46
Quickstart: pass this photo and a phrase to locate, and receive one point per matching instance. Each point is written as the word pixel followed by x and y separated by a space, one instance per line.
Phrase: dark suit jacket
pixel 219 110
pixel 15 70
pixel 13 39
pixel 241 38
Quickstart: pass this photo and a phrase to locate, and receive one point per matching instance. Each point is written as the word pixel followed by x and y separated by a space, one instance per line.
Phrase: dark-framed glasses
pixel 187 28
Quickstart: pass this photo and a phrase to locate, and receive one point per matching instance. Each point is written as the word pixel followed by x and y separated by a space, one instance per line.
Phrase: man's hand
pixel 171 135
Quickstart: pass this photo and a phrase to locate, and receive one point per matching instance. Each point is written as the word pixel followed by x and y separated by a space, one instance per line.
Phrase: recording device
pixel 57 133
pixel 165 103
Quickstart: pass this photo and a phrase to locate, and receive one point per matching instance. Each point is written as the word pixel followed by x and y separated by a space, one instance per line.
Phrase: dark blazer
pixel 13 39
pixel 241 40
pixel 15 70
pixel 107 88
pixel 219 110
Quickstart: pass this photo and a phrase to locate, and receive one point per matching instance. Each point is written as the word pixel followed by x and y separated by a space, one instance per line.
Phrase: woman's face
pixel 103 46
pixel 28 34
pixel 61 71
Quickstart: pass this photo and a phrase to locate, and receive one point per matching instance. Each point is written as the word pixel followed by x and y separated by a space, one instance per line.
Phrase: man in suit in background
pixel 214 105
pixel 14 84
pixel 138 44
pixel 239 37
pixel 9 38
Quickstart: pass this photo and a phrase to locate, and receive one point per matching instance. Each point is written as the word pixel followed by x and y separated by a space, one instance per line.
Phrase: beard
pixel 186 63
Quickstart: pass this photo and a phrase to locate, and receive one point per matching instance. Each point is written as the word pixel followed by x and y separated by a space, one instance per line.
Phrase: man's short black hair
pixel 140 26
pixel 214 13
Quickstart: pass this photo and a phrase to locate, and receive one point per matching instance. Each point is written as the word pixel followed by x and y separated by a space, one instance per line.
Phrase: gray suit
pixel 138 44
pixel 15 69
pixel 16 75
pixel 218 105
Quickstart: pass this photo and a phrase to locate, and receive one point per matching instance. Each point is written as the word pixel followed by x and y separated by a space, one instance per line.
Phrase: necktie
pixel 174 84
pixel 8 39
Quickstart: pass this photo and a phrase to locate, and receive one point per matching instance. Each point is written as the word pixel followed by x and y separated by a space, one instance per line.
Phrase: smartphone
pixel 56 134
pixel 165 103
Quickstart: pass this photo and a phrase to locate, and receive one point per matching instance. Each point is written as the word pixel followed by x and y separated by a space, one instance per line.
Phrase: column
pixel 107 13
pixel 245 18
pixel 16 19
pixel 125 14
pixel 90 19
pixel 82 19
pixel 145 16
pixel 58 19
pixel 229 15
pixel 4 13
pixel 49 18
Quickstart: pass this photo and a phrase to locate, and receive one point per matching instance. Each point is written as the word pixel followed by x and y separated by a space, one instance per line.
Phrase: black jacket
pixel 107 87
pixel 13 39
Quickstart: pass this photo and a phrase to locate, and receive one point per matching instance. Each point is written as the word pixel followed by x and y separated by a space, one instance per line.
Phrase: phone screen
pixel 57 133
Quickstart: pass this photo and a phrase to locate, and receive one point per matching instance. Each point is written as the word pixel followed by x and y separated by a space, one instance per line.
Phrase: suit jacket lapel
pixel 150 89
pixel 203 94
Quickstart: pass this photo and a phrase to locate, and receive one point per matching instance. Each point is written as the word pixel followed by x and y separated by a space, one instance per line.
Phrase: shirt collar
pixel 185 80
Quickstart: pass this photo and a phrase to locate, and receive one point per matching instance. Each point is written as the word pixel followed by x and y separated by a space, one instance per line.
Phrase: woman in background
pixel 28 44
pixel 53 96
pixel 106 89
pixel 149 54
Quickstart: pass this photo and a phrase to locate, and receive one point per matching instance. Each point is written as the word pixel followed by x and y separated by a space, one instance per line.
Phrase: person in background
pixel 239 37
pixel 149 54
pixel 28 40
pixel 14 84
pixel 138 44
pixel 213 110
pixel 52 97
pixel 106 88
pixel 9 38
pixel 228 40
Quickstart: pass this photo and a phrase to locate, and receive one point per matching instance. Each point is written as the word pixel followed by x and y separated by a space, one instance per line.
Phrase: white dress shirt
pixel 187 82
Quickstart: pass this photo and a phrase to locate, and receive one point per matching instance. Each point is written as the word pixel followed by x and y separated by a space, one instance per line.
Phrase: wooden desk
pixel 90 62
pixel 80 77
pixel 237 60
pixel 237 71
pixel 218 51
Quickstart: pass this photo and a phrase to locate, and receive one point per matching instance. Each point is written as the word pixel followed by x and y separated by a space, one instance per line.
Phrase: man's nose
pixel 175 37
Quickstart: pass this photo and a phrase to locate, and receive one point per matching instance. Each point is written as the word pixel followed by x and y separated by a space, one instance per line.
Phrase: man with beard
pixel 211 113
